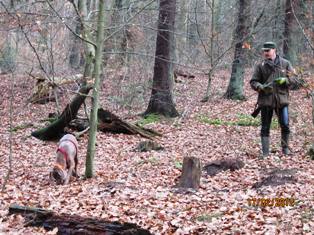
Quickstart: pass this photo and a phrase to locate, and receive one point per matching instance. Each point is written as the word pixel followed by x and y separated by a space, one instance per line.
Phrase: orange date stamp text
pixel 271 202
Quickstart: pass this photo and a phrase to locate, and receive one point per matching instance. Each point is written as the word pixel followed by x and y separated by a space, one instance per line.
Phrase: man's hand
pixel 259 87
pixel 281 80
pixel 267 88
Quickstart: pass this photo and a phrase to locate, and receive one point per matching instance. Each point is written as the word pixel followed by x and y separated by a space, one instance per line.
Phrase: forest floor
pixel 138 187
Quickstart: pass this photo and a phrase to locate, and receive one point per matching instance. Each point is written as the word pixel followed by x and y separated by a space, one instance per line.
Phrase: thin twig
pixel 68 27
pixel 6 178
pixel 128 20
pixel 302 29
pixel 26 36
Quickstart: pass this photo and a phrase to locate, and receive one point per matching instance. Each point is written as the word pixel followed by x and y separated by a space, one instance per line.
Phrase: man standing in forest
pixel 272 79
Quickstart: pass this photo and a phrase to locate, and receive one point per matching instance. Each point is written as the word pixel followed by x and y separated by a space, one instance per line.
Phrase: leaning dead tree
pixel 107 122
pixel 56 129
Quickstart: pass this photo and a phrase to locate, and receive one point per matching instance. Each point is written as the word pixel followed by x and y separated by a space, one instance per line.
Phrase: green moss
pixel 178 164
pixel 21 127
pixel 151 118
pixel 208 217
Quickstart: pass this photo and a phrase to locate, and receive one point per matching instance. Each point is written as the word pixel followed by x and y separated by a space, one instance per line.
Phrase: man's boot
pixel 285 144
pixel 265 146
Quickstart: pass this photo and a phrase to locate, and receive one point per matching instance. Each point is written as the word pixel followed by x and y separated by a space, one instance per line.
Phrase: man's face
pixel 269 54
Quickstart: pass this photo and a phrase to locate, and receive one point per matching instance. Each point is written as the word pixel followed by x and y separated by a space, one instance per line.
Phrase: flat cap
pixel 268 46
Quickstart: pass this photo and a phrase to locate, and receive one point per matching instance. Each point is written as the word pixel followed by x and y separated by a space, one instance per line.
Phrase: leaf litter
pixel 138 187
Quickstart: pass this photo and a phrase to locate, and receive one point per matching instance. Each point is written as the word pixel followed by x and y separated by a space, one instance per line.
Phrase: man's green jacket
pixel 265 73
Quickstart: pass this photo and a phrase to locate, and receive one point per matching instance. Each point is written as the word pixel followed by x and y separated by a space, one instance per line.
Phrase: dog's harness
pixel 65 154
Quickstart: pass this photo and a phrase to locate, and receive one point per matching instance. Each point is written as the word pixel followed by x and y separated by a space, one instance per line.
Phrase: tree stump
pixel 311 152
pixel 191 173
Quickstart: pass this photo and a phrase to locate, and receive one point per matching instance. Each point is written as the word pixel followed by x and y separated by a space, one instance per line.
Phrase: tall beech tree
pixel 289 50
pixel 235 88
pixel 161 100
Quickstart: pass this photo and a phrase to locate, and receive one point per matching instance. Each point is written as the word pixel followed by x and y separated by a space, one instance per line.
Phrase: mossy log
pixel 56 129
pixel 74 224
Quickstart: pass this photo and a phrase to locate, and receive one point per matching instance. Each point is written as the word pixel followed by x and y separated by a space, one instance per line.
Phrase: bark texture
pixel 235 88
pixel 161 101
pixel 191 173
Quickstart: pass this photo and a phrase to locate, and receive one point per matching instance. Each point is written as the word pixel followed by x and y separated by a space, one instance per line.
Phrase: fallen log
pixel 74 224
pixel 108 122
pixel 42 92
pixel 181 73
pixel 217 166
pixel 56 129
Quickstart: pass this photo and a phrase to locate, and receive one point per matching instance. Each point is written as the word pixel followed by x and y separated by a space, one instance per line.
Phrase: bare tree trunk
pixel 312 94
pixel 235 88
pixel 119 39
pixel 211 59
pixel 277 27
pixel 161 101
pixel 75 55
pixel 288 44
pixel 93 116
pixel 7 176
pixel 88 48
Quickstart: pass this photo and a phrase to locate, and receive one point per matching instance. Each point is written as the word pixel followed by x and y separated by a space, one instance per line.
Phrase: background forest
pixel 180 68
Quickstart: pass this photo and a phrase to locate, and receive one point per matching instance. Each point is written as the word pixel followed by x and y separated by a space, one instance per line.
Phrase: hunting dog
pixel 66 161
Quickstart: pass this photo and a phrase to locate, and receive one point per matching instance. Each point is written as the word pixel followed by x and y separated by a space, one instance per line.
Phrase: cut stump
pixel 191 173
pixel 311 152
pixel 73 224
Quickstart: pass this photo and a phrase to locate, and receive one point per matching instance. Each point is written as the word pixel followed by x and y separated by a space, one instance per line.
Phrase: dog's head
pixel 58 175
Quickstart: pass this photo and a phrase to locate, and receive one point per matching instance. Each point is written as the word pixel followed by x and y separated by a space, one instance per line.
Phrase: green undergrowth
pixel 21 127
pixel 241 120
pixel 208 217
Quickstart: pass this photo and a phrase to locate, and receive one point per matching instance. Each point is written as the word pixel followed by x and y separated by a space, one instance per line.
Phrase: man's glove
pixel 281 80
pixel 267 88
pixel 259 87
